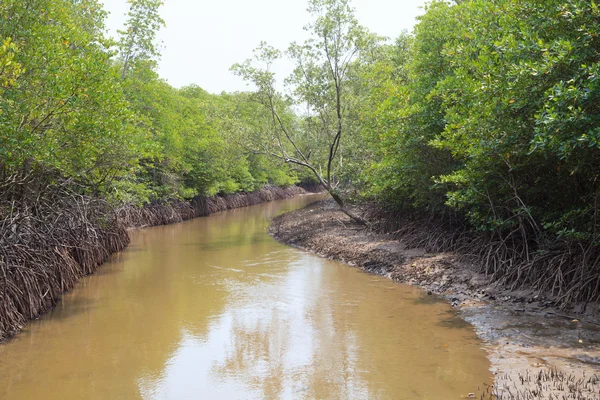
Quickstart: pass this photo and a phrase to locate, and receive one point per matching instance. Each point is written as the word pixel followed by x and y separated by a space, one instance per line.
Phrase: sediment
pixel 537 349
pixel 47 246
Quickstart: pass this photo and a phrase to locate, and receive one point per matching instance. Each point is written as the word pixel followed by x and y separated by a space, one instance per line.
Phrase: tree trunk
pixel 357 218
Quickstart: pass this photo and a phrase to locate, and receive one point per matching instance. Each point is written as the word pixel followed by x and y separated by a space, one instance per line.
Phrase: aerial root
pixel 46 245
pixel 566 272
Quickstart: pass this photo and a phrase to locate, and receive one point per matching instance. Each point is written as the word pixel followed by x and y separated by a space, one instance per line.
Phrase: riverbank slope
pixel 535 348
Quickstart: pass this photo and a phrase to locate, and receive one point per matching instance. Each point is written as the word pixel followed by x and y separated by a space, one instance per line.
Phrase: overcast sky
pixel 202 39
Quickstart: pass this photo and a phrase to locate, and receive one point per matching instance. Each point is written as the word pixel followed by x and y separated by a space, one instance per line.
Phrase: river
pixel 214 308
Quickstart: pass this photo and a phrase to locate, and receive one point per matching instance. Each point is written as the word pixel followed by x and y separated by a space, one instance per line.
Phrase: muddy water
pixel 216 309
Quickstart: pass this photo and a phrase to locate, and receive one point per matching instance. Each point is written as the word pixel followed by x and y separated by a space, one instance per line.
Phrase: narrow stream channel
pixel 214 308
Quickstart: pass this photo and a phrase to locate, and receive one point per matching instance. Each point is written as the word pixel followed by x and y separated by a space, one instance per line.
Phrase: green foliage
pixel 72 107
pixel 137 46
pixel 189 137
pixel 407 115
pixel 521 116
pixel 493 109
pixel 61 105
pixel 488 107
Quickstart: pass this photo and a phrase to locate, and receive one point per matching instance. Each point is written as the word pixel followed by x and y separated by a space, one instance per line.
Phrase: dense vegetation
pixel 496 114
pixel 78 106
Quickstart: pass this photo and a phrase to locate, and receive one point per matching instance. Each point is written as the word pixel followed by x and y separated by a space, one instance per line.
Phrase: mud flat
pixel 537 350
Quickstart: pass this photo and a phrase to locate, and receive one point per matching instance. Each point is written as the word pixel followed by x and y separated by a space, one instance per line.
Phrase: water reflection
pixel 214 308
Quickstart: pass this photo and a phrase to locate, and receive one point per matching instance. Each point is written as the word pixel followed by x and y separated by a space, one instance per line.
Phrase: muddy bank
pixel 177 211
pixel 536 349
pixel 45 250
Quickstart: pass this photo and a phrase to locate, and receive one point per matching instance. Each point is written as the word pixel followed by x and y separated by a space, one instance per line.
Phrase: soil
pixel 537 350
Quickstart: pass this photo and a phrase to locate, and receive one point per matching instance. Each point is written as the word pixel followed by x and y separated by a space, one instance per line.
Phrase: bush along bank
pixel 50 241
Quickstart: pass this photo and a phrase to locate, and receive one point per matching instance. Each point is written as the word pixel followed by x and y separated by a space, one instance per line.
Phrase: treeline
pixel 489 113
pixel 79 106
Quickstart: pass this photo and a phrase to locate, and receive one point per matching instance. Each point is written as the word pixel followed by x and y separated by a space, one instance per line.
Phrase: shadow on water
pixel 448 319
pixel 129 250
pixel 106 271
pixel 451 320
pixel 425 298
pixel 75 308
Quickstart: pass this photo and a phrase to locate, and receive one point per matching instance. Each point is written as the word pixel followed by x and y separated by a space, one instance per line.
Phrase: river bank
pixel 535 348
pixel 46 250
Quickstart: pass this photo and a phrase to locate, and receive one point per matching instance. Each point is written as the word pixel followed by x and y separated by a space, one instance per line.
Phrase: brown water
pixel 214 308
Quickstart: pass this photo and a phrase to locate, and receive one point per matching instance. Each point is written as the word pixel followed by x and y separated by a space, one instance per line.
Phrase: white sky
pixel 202 39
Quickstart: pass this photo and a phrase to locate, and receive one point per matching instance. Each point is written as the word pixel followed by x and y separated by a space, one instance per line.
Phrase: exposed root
pixel 549 384
pixel 209 205
pixel 567 273
pixel 46 247
pixel 176 211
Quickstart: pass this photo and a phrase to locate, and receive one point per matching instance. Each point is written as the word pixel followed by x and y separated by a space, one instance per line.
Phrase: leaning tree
pixel 318 93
